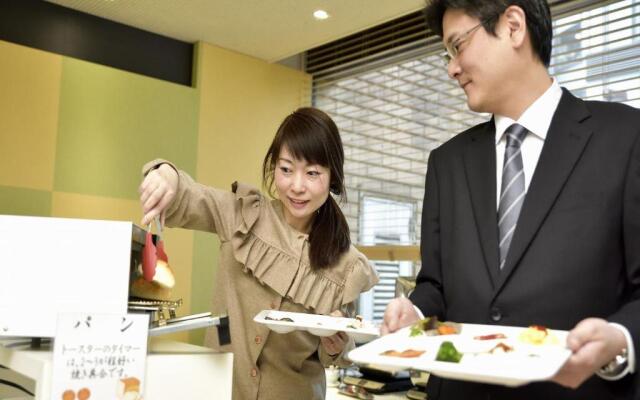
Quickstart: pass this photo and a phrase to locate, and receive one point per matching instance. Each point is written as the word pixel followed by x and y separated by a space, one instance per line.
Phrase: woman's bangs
pixel 304 143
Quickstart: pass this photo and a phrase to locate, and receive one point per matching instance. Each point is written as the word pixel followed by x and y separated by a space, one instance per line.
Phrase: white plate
pixel 319 325
pixel 526 363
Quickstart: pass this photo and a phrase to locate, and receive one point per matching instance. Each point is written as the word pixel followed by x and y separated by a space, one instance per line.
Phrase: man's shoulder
pixel 602 110
pixel 608 109
pixel 460 140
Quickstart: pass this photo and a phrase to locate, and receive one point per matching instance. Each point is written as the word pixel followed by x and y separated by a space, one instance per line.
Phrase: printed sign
pixel 98 356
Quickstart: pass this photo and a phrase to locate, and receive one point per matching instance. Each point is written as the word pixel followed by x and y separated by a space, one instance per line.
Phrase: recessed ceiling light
pixel 320 14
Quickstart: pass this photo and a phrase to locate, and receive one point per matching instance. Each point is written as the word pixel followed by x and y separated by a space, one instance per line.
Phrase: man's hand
pixel 594 344
pixel 399 313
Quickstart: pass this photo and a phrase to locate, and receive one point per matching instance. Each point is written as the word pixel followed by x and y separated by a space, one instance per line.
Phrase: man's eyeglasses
pixel 453 48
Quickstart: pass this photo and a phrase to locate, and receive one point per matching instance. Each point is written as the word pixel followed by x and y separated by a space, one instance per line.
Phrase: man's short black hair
pixel 488 11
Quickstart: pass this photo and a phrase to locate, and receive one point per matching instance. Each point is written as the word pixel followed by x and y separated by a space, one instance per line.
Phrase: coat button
pixel 254 372
pixel 496 314
pixel 258 339
pixel 273 306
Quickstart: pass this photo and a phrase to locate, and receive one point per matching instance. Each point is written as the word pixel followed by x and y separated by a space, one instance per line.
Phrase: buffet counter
pixel 174 370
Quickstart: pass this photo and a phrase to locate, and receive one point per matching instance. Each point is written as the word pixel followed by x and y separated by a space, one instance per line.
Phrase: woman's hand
pixel 157 191
pixel 333 345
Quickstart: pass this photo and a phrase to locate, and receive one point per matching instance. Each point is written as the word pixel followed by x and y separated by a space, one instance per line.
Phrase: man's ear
pixel 515 22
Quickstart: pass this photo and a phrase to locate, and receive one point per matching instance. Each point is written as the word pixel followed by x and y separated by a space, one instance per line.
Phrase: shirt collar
pixel 537 117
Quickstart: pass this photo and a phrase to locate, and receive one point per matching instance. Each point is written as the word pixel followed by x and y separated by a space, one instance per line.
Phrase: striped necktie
pixel 512 191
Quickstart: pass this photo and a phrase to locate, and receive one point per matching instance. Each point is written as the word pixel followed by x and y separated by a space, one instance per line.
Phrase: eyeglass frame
pixel 451 50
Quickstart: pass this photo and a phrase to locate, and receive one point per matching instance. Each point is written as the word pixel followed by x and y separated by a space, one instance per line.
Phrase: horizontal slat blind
pixel 393 101
pixel 597 53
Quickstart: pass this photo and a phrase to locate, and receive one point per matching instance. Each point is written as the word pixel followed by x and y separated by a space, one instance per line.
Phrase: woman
pixel 291 254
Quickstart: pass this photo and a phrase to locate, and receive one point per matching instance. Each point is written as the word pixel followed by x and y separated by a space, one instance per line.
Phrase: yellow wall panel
pixel 111 122
pixel 29 96
pixel 74 205
pixel 242 102
pixel 178 242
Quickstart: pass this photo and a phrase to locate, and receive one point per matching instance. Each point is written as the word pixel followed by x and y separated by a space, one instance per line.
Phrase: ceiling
pixel 267 29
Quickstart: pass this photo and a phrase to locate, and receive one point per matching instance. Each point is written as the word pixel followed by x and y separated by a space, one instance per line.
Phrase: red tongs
pixel 153 252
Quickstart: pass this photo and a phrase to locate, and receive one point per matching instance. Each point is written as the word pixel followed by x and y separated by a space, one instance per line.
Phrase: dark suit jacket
pixel 575 252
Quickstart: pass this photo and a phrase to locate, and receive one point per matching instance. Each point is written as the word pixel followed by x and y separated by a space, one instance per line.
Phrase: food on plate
pixel 409 353
pixel 357 324
pixel 492 336
pixel 501 348
pixel 445 329
pixel 537 335
pixel 430 326
pixel 448 353
pixel 128 389
pixel 283 319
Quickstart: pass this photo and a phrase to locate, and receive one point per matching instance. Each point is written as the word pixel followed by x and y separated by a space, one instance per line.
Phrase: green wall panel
pixel 206 250
pixel 111 122
pixel 19 201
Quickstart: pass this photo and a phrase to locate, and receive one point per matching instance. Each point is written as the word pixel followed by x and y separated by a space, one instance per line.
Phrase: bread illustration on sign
pixel 129 389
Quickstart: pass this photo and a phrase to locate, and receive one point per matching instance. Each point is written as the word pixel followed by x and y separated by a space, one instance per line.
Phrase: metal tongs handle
pixel 162 255
pixel 158 226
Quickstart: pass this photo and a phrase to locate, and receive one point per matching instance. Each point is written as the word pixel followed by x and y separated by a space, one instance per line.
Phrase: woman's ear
pixel 515 21
pixel 335 189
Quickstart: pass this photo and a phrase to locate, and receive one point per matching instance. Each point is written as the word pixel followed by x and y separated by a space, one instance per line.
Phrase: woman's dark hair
pixel 488 11
pixel 310 134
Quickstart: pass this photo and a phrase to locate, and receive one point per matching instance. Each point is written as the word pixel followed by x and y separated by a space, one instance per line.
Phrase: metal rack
pixel 160 324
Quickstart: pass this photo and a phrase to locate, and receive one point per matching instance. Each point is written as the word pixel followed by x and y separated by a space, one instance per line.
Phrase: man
pixel 534 216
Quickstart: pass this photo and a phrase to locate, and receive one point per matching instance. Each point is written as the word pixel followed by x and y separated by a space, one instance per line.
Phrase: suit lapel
pixel 564 144
pixel 480 169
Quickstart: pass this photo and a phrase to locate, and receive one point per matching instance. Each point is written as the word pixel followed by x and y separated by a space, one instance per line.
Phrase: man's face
pixel 481 60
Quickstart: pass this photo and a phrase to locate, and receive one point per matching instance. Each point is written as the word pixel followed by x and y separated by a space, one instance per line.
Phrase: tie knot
pixel 515 135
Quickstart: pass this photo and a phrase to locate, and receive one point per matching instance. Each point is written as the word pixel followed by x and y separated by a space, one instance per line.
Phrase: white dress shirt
pixel 537 119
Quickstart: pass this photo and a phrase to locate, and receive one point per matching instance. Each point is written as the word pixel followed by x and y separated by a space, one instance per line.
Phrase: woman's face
pixel 302 187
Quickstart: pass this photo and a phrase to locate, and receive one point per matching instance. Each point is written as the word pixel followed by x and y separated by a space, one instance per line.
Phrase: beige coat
pixel 264 264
